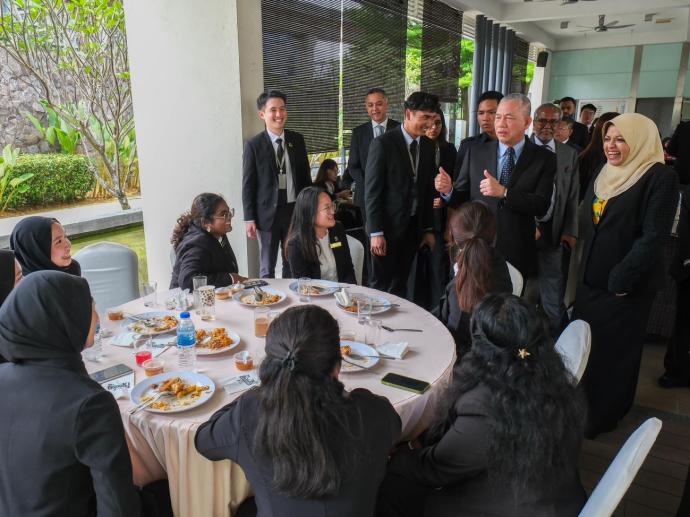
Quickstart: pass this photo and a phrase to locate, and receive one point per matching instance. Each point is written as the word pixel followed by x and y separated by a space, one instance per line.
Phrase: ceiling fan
pixel 605 27
pixel 563 2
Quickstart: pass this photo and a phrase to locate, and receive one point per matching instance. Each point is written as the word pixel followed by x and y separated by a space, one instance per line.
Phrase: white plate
pixel 326 287
pixel 380 304
pixel 361 349
pixel 238 297
pixel 131 326
pixel 144 388
pixel 208 351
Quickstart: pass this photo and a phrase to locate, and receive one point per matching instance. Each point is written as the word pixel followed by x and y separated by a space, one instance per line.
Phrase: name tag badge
pixel 336 244
pixel 282 181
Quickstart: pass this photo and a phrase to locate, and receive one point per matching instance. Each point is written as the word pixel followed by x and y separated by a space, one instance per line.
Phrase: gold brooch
pixel 523 353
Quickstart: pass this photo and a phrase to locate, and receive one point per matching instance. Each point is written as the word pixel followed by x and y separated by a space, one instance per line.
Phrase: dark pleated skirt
pixel 618 332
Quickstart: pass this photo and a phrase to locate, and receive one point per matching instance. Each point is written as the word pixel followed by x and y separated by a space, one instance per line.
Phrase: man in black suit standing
pixel 680 148
pixel 564 130
pixel 275 168
pixel 580 134
pixel 399 195
pixel 513 176
pixel 486 115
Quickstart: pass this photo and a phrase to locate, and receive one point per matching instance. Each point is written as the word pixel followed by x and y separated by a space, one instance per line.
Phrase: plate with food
pixel 317 288
pixel 211 341
pixel 379 304
pixel 264 296
pixel 357 357
pixel 151 323
pixel 178 391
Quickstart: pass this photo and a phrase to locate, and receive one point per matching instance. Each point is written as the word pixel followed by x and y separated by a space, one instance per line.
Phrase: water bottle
pixel 95 351
pixel 186 341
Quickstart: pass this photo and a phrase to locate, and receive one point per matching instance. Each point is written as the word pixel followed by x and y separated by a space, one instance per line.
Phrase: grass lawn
pixel 132 236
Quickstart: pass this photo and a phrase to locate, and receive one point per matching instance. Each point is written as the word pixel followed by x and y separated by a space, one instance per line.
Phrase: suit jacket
pixel 343 261
pixel 229 434
pixel 465 144
pixel 529 196
pixel 457 467
pixel 624 252
pixel 580 135
pixel 680 148
pixel 200 253
pixel 572 144
pixel 389 182
pixel 566 191
pixel 362 136
pixel 260 175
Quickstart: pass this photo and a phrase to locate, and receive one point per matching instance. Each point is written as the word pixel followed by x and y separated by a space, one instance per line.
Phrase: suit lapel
pixel 290 152
pixel 269 153
pixel 405 154
pixel 490 159
pixel 523 162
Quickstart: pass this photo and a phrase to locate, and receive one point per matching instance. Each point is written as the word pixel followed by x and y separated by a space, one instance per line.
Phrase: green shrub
pixel 57 178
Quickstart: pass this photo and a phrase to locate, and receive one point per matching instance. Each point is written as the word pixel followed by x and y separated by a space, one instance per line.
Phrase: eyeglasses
pixel 547 122
pixel 328 208
pixel 226 215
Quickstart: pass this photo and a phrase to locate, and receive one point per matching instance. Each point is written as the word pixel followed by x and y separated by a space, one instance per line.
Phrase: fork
pixel 400 330
pixel 356 364
pixel 258 294
pixel 362 356
pixel 146 404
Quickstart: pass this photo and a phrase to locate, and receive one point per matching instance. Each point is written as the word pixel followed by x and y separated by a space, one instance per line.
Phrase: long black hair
pixel 203 208
pixel 302 406
pixel 322 175
pixel 536 411
pixel 442 139
pixel 302 227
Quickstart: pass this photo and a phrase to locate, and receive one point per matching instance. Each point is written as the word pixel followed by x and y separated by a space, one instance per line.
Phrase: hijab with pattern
pixel 642 135
pixel 6 274
pixel 31 241
pixel 46 321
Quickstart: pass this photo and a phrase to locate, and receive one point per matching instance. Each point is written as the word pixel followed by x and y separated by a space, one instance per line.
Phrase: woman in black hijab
pixel 40 243
pixel 10 273
pixel 62 444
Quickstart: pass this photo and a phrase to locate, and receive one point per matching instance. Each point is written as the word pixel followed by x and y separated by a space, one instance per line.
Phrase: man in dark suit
pixel 680 148
pixel 275 168
pixel 486 114
pixel 564 129
pixel 580 134
pixel 587 113
pixel 399 195
pixel 513 176
pixel 557 230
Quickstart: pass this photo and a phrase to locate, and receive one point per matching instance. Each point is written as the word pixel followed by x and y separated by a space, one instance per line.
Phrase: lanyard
pixel 414 163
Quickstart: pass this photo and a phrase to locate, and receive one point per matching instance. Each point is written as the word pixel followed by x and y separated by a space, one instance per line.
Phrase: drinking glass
pixel 198 281
pixel 364 308
pixel 372 334
pixel 261 321
pixel 348 335
pixel 207 297
pixel 149 291
pixel 142 349
pixel 303 285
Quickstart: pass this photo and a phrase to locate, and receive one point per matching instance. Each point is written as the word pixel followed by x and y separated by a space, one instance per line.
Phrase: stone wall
pixel 19 93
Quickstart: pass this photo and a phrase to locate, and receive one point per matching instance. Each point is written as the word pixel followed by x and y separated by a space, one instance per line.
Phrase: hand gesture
pixel 443 182
pixel 490 186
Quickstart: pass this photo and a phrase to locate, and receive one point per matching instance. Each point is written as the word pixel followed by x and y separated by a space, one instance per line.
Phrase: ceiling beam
pixel 535 11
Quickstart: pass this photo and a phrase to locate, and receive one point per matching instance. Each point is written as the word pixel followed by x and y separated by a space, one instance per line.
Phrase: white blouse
pixel 329 270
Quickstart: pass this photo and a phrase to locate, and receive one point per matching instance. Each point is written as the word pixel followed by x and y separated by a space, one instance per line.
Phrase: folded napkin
pixel 397 350
pixel 240 382
pixel 158 345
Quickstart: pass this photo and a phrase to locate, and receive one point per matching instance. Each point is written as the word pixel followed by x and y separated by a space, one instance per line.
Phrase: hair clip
pixel 523 353
pixel 289 361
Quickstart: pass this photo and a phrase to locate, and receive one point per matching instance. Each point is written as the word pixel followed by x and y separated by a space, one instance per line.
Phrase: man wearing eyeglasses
pixel 556 232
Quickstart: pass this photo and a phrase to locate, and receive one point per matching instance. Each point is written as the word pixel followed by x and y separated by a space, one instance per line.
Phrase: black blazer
pixel 230 433
pixel 362 137
pixel 624 252
pixel 62 446
pixel 456 320
pixel 529 196
pixel 458 465
pixel 389 185
pixel 343 261
pixel 580 135
pixel 260 175
pixel 200 253
pixel 465 144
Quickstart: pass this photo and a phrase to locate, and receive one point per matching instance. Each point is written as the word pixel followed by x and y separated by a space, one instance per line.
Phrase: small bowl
pixel 154 366
pixel 243 361
pixel 236 288
pixel 223 293
pixel 115 314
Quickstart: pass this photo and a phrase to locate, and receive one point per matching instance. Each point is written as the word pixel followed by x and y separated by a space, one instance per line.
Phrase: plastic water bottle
pixel 95 351
pixel 186 341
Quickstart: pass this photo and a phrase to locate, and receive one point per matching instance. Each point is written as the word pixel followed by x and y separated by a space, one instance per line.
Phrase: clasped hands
pixel 489 186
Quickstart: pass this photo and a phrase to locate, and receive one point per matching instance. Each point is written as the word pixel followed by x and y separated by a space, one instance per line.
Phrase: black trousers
pixel 271 240
pixel 390 273
pixel 677 359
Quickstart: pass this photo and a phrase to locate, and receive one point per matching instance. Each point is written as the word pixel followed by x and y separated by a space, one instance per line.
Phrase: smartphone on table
pixel 405 383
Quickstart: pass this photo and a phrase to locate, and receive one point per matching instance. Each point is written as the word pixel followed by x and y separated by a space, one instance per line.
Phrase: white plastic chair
pixel 173 257
pixel 516 279
pixel 574 345
pixel 357 254
pixel 618 477
pixel 112 271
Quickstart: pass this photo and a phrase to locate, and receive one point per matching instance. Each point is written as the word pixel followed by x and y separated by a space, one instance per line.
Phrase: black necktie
pixel 508 166
pixel 413 155
pixel 280 155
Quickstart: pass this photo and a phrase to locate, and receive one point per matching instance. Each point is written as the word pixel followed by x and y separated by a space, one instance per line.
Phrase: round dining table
pixel 162 445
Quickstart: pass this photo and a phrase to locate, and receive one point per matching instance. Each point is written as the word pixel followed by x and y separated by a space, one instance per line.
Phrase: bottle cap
pixel 184 315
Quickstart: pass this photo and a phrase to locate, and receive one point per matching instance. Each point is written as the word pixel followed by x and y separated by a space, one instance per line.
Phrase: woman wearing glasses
pixel 201 244
pixel 317 245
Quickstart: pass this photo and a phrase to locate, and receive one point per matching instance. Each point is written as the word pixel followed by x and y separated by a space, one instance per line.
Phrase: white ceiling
pixel 539 21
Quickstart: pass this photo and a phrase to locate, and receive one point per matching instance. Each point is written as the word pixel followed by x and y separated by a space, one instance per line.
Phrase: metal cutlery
pixel 356 364
pixel 362 356
pixel 146 404
pixel 400 330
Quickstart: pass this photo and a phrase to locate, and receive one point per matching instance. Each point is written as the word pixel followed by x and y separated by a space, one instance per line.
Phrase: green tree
pixel 77 51
pixel 413 57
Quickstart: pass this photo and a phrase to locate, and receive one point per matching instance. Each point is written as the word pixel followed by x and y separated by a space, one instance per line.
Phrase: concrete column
pixel 190 110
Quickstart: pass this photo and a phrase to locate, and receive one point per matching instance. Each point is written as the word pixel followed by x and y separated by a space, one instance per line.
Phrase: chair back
pixel 516 279
pixel 357 254
pixel 112 272
pixel 574 344
pixel 619 476
pixel 173 257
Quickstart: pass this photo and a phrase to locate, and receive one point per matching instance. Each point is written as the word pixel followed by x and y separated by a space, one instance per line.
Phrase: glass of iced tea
pixel 261 321
pixel 244 361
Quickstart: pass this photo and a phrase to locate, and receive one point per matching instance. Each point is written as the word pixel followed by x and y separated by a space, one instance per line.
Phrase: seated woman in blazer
pixel 201 244
pixel 307 446
pixel 480 269
pixel 317 244
pixel 507 437
pixel 327 179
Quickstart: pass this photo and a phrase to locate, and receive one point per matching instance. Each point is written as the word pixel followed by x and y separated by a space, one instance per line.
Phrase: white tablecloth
pixel 163 445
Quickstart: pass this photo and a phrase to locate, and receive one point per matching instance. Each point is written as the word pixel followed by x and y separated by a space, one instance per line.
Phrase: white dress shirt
pixel 327 265
pixel 291 195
